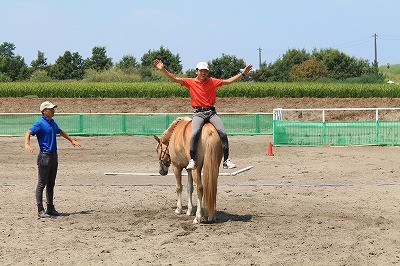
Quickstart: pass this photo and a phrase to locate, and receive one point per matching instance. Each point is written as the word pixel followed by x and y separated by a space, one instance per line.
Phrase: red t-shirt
pixel 202 94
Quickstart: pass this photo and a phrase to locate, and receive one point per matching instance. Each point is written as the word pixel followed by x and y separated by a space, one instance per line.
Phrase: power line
pixel 352 43
pixel 390 37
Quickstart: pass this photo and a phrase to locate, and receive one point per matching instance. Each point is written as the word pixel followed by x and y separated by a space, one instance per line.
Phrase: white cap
pixel 47 105
pixel 202 65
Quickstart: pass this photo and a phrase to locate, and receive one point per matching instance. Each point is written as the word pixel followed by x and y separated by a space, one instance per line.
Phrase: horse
pixel 173 148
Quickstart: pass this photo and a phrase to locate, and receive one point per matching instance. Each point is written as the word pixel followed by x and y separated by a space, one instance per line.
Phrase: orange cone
pixel 270 153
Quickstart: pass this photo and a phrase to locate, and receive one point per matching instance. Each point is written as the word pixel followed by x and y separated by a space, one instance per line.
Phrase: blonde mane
pixel 168 132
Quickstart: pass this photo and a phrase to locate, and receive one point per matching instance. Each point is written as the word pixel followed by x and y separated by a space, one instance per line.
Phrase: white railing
pixel 278 112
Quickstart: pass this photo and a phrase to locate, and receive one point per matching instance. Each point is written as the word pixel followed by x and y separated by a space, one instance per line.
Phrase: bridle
pixel 164 153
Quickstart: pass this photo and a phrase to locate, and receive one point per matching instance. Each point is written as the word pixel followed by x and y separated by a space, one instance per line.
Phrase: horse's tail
pixel 212 160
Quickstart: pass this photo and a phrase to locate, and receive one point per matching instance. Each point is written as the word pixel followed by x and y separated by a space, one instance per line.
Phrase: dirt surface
pixel 177 105
pixel 302 206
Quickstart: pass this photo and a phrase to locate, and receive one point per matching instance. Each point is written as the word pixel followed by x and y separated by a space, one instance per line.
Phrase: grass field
pixel 392 73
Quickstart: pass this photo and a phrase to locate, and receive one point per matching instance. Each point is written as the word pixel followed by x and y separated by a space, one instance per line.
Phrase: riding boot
pixel 51 210
pixel 41 212
pixel 192 154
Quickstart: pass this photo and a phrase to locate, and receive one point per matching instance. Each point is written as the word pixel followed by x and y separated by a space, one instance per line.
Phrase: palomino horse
pixel 173 148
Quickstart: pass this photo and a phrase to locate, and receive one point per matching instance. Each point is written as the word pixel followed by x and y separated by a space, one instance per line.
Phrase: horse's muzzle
pixel 163 172
pixel 163 169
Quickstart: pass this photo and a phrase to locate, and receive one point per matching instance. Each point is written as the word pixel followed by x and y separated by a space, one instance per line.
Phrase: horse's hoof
pixel 195 221
pixel 189 213
pixel 178 211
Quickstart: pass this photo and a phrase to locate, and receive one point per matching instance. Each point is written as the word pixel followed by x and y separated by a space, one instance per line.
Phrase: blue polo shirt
pixel 46 131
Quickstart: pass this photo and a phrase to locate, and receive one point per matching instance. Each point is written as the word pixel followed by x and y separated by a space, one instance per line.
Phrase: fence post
pixel 123 124
pixel 257 117
pixel 80 119
pixel 167 121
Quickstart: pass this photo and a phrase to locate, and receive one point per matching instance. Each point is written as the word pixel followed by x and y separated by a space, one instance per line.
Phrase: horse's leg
pixel 178 176
pixel 198 218
pixel 190 193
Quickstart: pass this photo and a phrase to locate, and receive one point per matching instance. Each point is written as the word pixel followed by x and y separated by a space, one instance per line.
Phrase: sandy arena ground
pixel 303 206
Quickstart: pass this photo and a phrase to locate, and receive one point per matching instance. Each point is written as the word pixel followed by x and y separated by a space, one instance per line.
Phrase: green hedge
pixel 170 89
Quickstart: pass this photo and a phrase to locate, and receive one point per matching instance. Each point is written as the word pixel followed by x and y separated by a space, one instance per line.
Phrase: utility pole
pixel 259 57
pixel 376 50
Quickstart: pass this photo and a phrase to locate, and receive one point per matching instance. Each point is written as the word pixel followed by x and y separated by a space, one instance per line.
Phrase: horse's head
pixel 163 156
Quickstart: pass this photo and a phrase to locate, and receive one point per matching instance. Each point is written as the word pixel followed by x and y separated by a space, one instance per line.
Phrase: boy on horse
pixel 202 91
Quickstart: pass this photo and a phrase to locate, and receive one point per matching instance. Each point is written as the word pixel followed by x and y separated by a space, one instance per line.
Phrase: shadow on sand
pixel 223 217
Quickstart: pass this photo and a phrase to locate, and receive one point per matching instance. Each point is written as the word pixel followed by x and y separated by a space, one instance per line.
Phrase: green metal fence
pixel 132 123
pixel 338 133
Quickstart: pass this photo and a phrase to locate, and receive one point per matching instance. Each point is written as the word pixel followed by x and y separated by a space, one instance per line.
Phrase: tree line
pixel 296 65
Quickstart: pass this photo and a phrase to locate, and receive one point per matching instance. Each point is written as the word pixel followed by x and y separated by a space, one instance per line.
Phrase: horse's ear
pixel 157 138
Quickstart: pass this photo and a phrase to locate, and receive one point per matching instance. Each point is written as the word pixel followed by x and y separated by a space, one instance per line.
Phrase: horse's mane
pixel 168 132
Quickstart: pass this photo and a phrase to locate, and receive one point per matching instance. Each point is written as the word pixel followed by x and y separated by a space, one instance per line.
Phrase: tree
pixel 263 74
pixel 68 66
pixel 99 60
pixel 340 65
pixel 40 62
pixel 226 66
pixel 12 67
pixel 309 70
pixel 171 62
pixel 127 64
pixel 7 49
pixel 190 73
pixel 282 67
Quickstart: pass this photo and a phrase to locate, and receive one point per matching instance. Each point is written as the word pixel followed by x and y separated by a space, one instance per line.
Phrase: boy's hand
pixel 158 64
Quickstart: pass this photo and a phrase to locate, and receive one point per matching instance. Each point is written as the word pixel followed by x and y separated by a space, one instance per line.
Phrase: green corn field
pixel 170 89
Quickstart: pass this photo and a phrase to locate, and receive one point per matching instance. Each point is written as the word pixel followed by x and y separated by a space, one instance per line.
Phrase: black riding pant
pixel 47 172
pixel 200 117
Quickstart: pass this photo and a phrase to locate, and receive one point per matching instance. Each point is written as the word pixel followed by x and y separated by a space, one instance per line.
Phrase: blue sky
pixel 201 30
